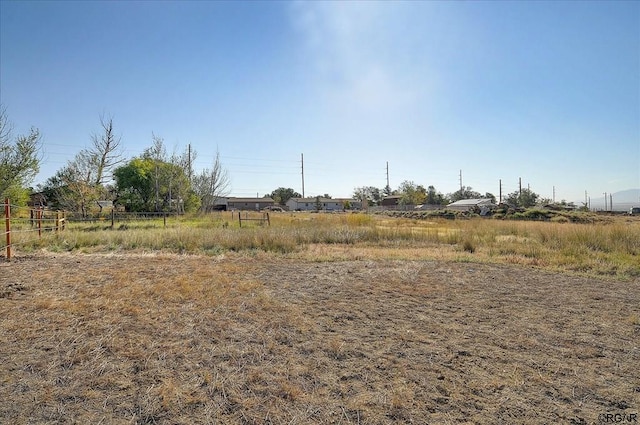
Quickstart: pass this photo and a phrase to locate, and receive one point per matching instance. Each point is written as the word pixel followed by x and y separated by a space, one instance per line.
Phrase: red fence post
pixel 7 220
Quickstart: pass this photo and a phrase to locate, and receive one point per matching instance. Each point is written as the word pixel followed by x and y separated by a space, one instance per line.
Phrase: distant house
pixel 391 201
pixel 321 204
pixel 350 203
pixel 469 204
pixel 37 200
pixel 244 204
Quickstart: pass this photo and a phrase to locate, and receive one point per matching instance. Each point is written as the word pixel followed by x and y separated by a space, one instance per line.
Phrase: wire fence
pixel 34 222
pixel 112 217
pixel 25 225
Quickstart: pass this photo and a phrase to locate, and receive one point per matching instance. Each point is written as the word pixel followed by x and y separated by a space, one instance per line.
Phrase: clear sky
pixel 546 91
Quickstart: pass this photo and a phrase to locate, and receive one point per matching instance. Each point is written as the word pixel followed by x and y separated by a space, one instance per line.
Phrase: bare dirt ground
pixel 262 339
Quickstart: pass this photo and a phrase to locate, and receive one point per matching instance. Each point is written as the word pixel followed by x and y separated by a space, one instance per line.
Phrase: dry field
pixel 260 338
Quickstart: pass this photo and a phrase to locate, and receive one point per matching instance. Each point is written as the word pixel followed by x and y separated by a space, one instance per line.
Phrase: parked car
pixel 274 209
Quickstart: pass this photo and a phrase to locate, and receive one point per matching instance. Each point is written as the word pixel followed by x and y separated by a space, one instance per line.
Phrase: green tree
pixel 81 183
pixel 19 160
pixel 135 184
pixel 411 193
pixel 525 199
pixel 371 194
pixel 489 195
pixel 465 192
pixel 171 186
pixel 147 184
pixel 434 197
pixel 281 195
pixel 73 187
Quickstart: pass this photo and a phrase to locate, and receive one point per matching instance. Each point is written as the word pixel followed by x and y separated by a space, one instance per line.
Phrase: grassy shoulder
pixel 594 246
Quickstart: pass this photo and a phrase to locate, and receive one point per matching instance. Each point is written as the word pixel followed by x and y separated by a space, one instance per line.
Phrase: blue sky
pixel 544 91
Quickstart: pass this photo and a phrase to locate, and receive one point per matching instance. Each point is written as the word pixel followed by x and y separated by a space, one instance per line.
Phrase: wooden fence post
pixel 7 220
pixel 113 217
pixel 39 221
pixel 57 226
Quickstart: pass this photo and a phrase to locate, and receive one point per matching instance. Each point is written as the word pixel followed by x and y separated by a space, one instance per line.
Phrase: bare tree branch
pixel 106 148
pixel 212 184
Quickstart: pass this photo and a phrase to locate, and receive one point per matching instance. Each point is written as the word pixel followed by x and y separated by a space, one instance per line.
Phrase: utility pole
pixel 611 201
pixel 520 187
pixel 554 194
pixel 302 161
pixel 605 201
pixel 586 199
pixel 500 191
pixel 388 175
pixel 461 181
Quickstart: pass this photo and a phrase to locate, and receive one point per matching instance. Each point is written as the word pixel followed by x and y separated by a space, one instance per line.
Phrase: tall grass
pixel 611 249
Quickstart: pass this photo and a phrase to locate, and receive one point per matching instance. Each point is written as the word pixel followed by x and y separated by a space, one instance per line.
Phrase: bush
pixel 468 246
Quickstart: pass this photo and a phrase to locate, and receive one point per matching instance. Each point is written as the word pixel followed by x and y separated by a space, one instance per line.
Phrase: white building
pixel 322 204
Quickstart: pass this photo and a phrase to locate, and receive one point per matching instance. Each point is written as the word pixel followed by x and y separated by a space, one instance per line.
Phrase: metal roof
pixel 470 202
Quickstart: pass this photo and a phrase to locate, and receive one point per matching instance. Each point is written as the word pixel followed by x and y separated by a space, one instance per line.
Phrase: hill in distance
pixel 622 200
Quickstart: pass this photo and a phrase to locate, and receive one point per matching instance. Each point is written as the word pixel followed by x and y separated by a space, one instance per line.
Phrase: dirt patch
pixel 263 339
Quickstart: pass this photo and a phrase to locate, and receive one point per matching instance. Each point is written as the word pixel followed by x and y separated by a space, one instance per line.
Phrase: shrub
pixel 468 246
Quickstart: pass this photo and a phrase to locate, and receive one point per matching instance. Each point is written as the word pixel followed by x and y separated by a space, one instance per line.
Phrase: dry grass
pixel 322 319
pixel 332 334
pixel 604 248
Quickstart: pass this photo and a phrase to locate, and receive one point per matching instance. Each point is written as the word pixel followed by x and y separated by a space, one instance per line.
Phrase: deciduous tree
pixel 434 197
pixel 281 195
pixel 371 194
pixel 19 159
pixel 411 194
pixel 465 192
pixel 212 184
pixel 525 198
pixel 106 149
pixel 81 183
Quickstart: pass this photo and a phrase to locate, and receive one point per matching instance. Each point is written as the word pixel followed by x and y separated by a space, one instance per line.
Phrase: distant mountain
pixel 622 200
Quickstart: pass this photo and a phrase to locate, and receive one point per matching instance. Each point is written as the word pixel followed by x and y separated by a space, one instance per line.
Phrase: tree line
pixel 163 182
pixel 154 181
pixel 410 193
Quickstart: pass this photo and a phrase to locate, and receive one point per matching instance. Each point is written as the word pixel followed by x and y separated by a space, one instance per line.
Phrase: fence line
pixel 262 220
pixel 35 222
